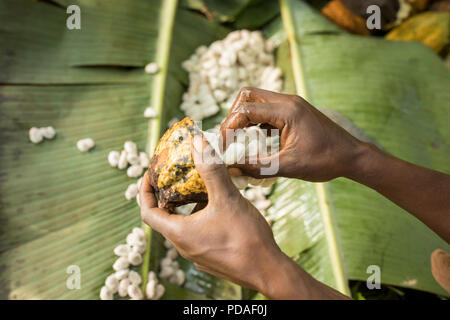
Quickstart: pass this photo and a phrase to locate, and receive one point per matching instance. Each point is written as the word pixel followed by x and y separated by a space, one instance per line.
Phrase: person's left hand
pixel 226 237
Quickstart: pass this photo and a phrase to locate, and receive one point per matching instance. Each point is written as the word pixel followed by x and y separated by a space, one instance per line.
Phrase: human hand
pixel 313 147
pixel 228 238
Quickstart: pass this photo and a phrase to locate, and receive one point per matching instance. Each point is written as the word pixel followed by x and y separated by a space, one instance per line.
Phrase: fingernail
pixel 198 143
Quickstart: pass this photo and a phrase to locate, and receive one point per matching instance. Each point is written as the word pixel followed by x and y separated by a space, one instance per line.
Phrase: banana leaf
pixel 397 93
pixel 222 11
pixel 59 207
pixel 257 14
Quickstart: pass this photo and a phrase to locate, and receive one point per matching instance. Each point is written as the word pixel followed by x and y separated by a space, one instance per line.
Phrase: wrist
pixel 362 165
pixel 268 270
pixel 284 279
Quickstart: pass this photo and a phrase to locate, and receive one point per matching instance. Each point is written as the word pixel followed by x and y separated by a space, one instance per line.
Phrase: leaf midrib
pixel 166 22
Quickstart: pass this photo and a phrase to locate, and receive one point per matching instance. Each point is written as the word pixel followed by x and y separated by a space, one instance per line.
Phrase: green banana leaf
pixel 257 14
pixel 222 11
pixel 60 207
pixel 397 93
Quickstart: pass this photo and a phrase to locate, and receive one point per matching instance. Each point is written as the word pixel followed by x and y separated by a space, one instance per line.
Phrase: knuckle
pixel 241 110
pixel 247 93
pixel 297 99
pixel 246 107
pixel 246 89
pixel 295 102
pixel 295 108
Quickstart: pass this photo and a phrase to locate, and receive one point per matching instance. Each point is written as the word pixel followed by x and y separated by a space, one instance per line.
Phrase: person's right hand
pixel 313 147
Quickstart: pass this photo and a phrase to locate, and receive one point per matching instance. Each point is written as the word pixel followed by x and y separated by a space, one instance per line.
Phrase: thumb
pixel 156 218
pixel 211 169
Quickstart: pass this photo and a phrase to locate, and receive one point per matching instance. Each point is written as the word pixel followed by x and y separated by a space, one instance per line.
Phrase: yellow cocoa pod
pixel 429 28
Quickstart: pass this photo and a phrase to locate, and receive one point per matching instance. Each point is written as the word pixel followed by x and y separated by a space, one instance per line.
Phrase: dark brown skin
pixel 229 234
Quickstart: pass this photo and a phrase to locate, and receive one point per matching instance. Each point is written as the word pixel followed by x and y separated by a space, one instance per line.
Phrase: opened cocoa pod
pixel 430 28
pixel 172 172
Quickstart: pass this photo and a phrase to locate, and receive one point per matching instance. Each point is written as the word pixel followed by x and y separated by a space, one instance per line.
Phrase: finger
pixel 158 219
pixel 146 192
pixel 211 170
pixel 262 167
pixel 250 113
pixel 250 94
